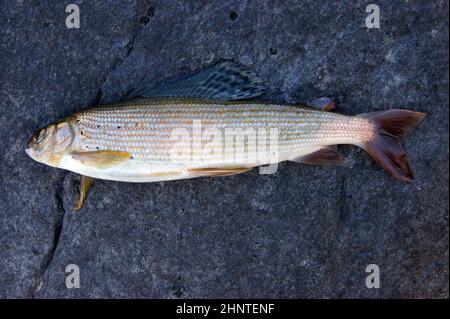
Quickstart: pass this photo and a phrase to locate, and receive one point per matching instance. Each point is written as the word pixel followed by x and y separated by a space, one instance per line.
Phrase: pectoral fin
pixel 212 171
pixel 85 184
pixel 101 159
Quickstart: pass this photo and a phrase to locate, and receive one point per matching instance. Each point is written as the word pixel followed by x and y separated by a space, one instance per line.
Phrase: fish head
pixel 49 144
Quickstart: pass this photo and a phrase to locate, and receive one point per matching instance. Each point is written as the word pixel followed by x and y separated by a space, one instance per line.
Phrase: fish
pixel 210 123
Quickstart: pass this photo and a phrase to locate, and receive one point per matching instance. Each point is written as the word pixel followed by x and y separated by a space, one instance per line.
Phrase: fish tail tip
pixel 385 147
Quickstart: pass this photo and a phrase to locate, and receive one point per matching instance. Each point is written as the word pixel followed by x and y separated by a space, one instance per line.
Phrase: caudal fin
pixel 386 148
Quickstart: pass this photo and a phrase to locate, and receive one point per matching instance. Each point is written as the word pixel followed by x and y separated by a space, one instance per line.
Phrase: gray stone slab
pixel 305 231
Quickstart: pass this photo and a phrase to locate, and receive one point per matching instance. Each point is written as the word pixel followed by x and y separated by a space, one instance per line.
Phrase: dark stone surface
pixel 303 232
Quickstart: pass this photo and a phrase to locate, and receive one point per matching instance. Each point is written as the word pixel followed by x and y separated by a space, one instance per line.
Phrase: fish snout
pixel 31 144
pixel 32 141
pixel 30 151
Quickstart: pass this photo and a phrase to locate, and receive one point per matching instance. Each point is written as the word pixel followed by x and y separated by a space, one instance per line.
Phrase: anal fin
pixel 327 155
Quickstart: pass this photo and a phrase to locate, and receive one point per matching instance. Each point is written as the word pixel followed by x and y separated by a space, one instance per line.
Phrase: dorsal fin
pixel 225 80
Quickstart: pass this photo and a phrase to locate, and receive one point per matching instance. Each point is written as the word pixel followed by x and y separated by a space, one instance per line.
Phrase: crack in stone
pixel 58 220
pixel 341 212
pixel 343 206
pixel 59 205
pixel 129 48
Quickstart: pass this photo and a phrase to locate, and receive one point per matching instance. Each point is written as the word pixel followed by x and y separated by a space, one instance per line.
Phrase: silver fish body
pixel 172 138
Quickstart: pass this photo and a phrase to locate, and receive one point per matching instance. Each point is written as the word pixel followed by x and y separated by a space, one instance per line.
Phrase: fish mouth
pixel 30 142
pixel 30 146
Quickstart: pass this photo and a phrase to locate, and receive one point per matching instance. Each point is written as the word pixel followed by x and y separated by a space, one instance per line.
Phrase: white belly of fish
pixel 143 171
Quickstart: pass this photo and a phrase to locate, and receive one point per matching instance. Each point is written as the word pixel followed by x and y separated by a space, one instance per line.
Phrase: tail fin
pixel 385 147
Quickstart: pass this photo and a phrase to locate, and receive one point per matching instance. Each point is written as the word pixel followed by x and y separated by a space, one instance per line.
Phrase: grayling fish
pixel 180 130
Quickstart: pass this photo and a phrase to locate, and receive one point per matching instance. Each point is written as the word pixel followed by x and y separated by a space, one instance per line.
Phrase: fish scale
pixel 144 129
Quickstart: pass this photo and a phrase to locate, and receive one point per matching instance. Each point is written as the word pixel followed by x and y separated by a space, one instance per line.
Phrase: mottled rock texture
pixel 305 232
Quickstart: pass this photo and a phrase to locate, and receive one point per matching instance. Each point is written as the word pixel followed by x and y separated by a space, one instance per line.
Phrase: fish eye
pixel 41 136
